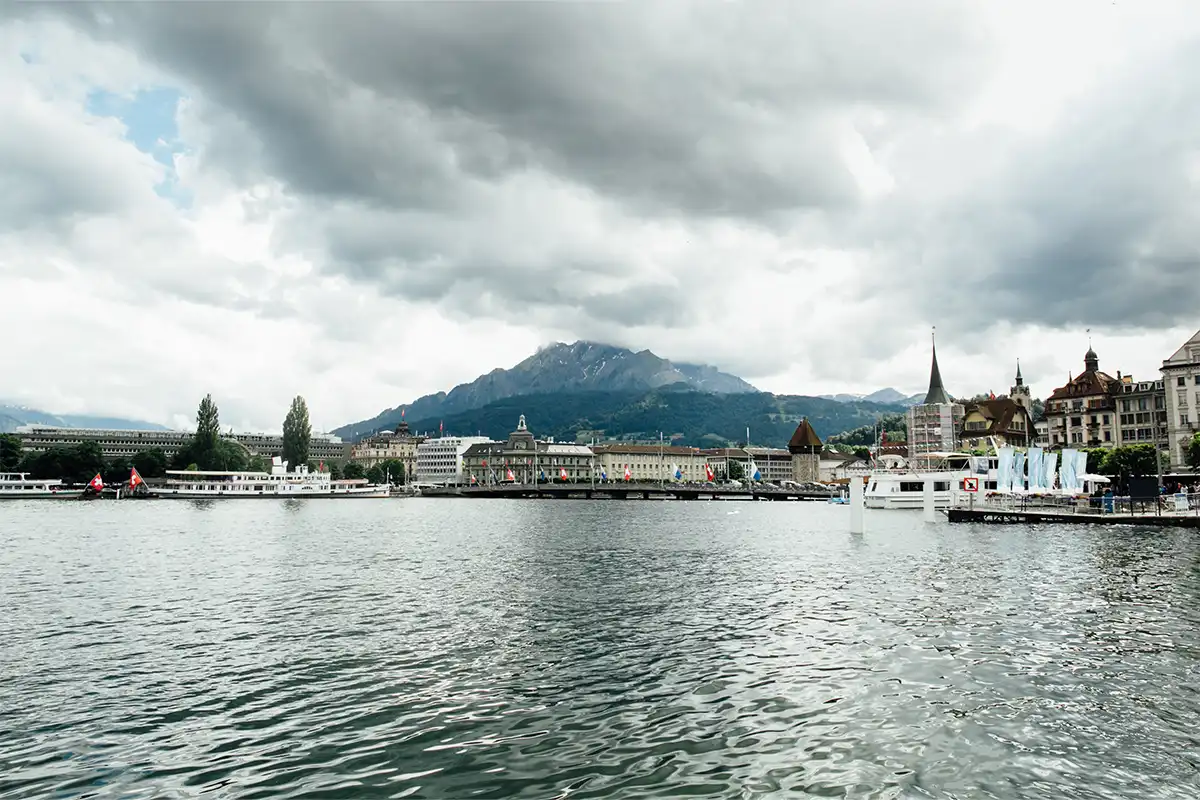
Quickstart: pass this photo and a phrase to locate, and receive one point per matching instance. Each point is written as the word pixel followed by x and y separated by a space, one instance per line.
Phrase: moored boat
pixel 190 484
pixel 19 486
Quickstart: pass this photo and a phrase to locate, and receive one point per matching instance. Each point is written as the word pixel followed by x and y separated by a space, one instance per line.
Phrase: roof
pixel 999 414
pixel 937 392
pixel 1184 354
pixel 1087 384
pixel 645 449
pixel 804 436
pixel 726 452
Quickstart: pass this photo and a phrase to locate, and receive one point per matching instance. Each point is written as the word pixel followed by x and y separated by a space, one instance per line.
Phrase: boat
pixel 190 484
pixel 19 486
pixel 903 487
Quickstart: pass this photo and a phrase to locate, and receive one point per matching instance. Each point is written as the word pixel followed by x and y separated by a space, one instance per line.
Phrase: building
pixel 1142 413
pixel 774 463
pixel 398 445
pixel 527 458
pixel 805 450
pixel 1042 433
pixel 719 459
pixel 1181 386
pixel 933 425
pixel 440 460
pixel 1083 412
pixel 1003 420
pixel 648 462
pixel 834 466
pixel 125 444
pixel 1020 393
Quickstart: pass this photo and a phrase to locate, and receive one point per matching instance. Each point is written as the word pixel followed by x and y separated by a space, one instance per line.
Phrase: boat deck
pixel 1002 516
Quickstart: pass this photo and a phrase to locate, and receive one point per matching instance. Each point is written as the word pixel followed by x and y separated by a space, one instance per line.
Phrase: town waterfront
pixel 453 649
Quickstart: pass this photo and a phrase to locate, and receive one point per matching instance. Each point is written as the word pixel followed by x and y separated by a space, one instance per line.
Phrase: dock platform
pixel 1000 516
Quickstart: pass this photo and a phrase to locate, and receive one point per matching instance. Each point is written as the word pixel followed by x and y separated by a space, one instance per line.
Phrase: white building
pixel 441 460
pixel 650 462
pixel 1181 383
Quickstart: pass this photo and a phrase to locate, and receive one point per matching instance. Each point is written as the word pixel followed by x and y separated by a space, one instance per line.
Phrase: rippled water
pixel 457 649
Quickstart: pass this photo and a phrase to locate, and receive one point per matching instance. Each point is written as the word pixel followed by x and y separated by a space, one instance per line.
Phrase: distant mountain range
pixel 559 368
pixel 584 390
pixel 888 396
pixel 12 417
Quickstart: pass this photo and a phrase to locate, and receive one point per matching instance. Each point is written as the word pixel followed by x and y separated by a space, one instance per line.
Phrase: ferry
pixel 19 486
pixel 192 484
pixel 904 487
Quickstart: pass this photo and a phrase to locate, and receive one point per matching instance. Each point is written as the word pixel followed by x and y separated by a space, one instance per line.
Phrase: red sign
pixel 970 484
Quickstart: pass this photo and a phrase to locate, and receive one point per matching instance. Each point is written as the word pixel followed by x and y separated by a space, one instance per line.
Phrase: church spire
pixel 1020 380
pixel 937 392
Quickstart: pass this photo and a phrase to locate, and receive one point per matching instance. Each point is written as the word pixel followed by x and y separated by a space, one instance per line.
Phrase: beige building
pixel 125 444
pixel 527 459
pixel 647 462
pixel 1083 413
pixel 400 445
pixel 1142 413
pixel 1181 385
pixel 934 424
pixel 1003 421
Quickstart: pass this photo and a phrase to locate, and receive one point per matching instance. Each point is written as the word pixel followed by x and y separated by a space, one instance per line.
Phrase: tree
pixel 151 463
pixel 353 471
pixel 1193 452
pixel 117 471
pixel 258 463
pixel 208 425
pixel 1038 412
pixel 1136 461
pixel 862 453
pixel 10 452
pixel 376 475
pixel 734 470
pixel 393 470
pixel 296 434
pixel 335 471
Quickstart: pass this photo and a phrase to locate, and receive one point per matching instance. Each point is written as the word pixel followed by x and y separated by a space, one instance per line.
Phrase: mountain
pixel 888 396
pixel 559 369
pixel 12 417
pixel 686 416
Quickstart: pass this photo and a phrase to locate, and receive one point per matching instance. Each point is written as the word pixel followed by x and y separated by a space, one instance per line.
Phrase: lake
pixel 589 649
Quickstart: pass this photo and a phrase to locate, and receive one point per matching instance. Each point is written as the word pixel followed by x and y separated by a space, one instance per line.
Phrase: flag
pixel 603 475
pixel 97 482
pixel 562 473
pixel 628 474
pixel 321 466
pixel 441 427
pixel 708 471
pixel 678 473
pixel 134 479
pixel 472 480
pixel 542 474
pixel 402 413
pixel 508 475
pixel 757 476
pixel 485 462
pixel 991 395
pixel 883 438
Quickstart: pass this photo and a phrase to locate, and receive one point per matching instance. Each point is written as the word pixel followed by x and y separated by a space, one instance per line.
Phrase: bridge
pixel 629 491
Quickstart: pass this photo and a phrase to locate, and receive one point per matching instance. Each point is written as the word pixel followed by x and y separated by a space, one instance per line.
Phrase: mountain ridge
pixel 582 366
pixel 14 416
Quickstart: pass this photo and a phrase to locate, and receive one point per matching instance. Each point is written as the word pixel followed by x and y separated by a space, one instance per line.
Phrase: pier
pixel 629 491
pixel 1172 512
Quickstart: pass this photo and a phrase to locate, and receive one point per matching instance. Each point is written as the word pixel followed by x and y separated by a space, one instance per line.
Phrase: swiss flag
pixel 134 479
pixel 562 473
pixel 628 474
pixel 708 471
pixel 97 482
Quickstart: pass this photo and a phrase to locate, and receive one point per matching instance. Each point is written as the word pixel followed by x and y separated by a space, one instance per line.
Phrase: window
pixel 1181 397
pixel 1105 419
pixel 1197 380
pixel 1183 419
pixel 1181 381
pixel 1076 421
pixel 1107 436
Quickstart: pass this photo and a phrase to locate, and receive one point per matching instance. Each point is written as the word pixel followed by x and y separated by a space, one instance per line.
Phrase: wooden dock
pixel 627 491
pixel 1000 516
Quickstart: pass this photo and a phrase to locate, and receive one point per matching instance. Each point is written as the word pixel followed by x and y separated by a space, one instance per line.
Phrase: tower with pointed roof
pixel 933 424
pixel 805 447
pixel 1020 393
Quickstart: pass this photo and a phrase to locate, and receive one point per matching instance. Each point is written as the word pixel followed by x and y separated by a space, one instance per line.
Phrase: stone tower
pixel 1020 393
pixel 805 448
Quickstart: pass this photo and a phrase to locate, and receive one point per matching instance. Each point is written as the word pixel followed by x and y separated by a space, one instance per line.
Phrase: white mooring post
pixel 930 510
pixel 856 504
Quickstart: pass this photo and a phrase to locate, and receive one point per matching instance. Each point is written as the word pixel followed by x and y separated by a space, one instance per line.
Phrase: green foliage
pixel 117 471
pixel 258 463
pixel 375 475
pixel 335 471
pixel 208 425
pixel 896 426
pixel 353 471
pixel 1038 412
pixel 10 452
pixel 862 453
pixel 151 463
pixel 734 470
pixel 76 464
pixel 1122 463
pixel 1193 452
pixel 297 433
pixel 688 418
pixel 393 470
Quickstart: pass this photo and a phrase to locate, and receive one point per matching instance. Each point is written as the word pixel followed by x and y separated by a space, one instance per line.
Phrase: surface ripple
pixel 447 649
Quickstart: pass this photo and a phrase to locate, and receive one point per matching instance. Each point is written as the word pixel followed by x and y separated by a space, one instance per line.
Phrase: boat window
pixel 911 486
pixel 941 486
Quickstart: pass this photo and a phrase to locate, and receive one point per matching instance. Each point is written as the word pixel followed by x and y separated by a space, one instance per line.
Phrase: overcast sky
pixel 366 203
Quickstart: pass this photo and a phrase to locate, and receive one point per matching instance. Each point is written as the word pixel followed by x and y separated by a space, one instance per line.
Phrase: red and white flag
pixel 708 471
pixel 134 479
pixel 508 475
pixel 562 473
pixel 472 480
pixel 97 482
pixel 628 474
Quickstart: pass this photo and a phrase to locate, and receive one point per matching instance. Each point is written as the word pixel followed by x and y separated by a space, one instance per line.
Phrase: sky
pixel 365 203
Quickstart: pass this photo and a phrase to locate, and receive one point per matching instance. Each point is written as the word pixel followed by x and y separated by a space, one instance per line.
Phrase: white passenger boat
pixel 190 484
pixel 903 487
pixel 19 486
